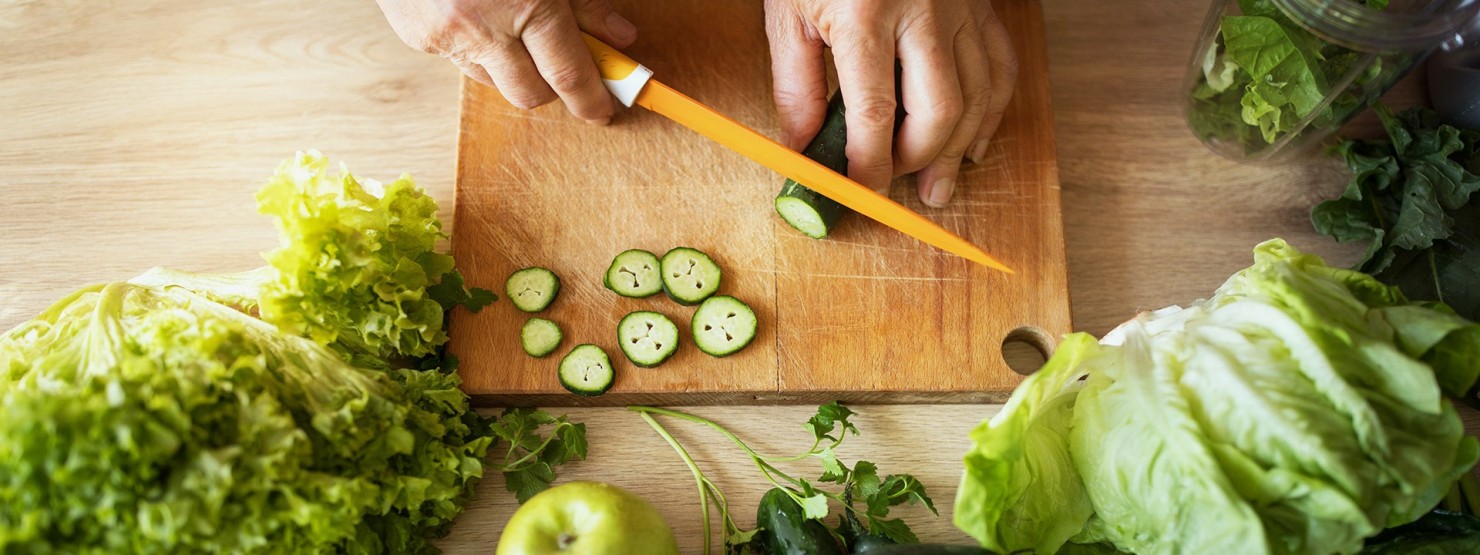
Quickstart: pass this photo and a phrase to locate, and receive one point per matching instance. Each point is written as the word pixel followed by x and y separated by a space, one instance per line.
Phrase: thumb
pixel 598 18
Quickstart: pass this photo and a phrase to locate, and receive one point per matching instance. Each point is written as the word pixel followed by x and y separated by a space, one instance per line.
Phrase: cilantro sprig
pixel 829 427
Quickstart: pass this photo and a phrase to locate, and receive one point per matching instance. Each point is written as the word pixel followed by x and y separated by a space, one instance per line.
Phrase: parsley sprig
pixel 829 427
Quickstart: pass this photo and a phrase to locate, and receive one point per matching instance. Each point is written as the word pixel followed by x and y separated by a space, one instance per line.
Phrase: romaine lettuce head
pixel 147 420
pixel 1297 410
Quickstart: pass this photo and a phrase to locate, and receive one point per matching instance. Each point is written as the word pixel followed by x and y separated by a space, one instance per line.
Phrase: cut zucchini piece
pixel 532 289
pixel 586 371
pixel 723 325
pixel 647 338
pixel 634 273
pixel 689 275
pixel 540 337
pixel 807 210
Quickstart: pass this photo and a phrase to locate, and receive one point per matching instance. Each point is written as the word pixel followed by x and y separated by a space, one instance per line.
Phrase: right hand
pixel 530 50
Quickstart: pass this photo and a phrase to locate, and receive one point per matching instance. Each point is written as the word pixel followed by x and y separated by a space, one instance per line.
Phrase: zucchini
pixel 926 549
pixel 723 325
pixel 540 337
pixel 647 338
pixel 807 210
pixel 532 289
pixel 785 530
pixel 870 542
pixel 586 371
pixel 634 273
pixel 689 275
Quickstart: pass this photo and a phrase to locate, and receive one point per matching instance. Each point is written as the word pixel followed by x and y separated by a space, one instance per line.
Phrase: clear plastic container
pixel 1271 78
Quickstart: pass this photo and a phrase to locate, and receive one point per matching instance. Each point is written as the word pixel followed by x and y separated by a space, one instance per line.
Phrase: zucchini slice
pixel 540 337
pixel 689 275
pixel 723 325
pixel 532 289
pixel 647 338
pixel 586 371
pixel 634 273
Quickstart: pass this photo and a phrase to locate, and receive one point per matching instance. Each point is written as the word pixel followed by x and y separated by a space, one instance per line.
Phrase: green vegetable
pixel 722 326
pixel 153 420
pixel 785 529
pixel 647 338
pixel 528 466
pixel 689 275
pixel 1437 533
pixel 355 267
pixel 805 209
pixel 829 427
pixel 540 337
pixel 1298 410
pixel 532 289
pixel 159 416
pixel 1264 76
pixel 586 371
pixel 634 273
pixel 1410 201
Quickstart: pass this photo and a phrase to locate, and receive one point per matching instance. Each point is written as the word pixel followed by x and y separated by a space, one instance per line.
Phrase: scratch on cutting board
pixel 876 277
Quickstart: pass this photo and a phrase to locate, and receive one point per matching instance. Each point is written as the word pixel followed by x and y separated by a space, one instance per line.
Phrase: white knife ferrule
pixel 626 88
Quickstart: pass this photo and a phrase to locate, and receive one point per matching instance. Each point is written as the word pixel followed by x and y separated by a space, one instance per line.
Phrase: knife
pixel 633 83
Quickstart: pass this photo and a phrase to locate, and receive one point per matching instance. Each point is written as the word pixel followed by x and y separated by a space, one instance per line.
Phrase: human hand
pixel 530 50
pixel 958 74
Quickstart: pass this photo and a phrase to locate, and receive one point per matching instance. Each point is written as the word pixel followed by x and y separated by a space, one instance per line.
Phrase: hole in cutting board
pixel 1026 348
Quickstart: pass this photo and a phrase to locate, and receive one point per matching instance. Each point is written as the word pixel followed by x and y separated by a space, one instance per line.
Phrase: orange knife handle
pixel 623 76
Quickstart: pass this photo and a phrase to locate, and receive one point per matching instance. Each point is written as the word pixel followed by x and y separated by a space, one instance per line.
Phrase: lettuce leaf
pixel 1297 410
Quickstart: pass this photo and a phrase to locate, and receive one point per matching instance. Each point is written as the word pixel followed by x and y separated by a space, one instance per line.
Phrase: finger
pixel 514 74
pixel 474 72
pixel 560 54
pixel 1002 66
pixel 937 181
pixel 798 73
pixel 865 65
pixel 931 94
pixel 598 18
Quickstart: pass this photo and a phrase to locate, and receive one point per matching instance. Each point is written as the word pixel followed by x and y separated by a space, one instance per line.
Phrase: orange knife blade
pixel 632 83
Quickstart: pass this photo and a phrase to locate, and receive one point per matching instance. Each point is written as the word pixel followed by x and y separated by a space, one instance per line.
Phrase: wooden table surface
pixel 133 134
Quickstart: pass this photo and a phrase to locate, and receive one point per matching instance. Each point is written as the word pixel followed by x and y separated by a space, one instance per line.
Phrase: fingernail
pixel 599 121
pixel 940 193
pixel 979 150
pixel 620 28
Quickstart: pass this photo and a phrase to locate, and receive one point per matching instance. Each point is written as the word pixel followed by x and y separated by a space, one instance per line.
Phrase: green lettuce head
pixel 1298 410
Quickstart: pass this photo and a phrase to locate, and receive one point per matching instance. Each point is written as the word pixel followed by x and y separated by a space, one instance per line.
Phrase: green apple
pixel 586 518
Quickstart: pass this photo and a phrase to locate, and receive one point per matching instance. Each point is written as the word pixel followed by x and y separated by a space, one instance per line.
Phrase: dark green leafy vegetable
pixel 1437 533
pixel 1410 199
pixel 529 464
pixel 829 426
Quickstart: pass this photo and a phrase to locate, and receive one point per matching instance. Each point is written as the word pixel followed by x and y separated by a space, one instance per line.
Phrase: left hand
pixel 959 71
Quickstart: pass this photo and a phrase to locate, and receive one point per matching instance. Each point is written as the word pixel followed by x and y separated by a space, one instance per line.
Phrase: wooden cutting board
pixel 866 315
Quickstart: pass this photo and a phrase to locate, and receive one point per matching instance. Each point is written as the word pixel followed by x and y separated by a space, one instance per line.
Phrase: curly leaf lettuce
pixel 141 419
pixel 356 266
pixel 1297 410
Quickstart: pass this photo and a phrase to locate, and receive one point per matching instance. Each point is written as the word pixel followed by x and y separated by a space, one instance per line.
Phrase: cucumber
pixel 647 338
pixel 805 209
pixel 532 289
pixel 869 543
pixel 586 371
pixel 634 273
pixel 786 531
pixel 723 325
pixel 926 549
pixel 689 275
pixel 540 337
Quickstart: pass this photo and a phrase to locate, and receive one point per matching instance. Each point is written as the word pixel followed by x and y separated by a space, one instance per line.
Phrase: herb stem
pixel 699 478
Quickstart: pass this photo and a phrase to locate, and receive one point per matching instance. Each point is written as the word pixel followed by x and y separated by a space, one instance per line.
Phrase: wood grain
pixel 868 315
pixel 124 147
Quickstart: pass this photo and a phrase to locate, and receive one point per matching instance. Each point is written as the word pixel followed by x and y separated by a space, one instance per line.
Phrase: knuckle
pixel 978 96
pixel 527 100
pixel 948 108
pixel 791 98
pixel 876 110
pixel 568 78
